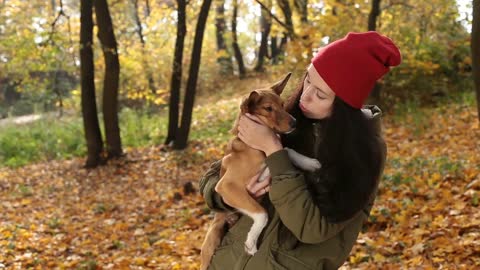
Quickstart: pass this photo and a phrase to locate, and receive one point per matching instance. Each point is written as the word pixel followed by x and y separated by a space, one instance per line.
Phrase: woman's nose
pixel 308 93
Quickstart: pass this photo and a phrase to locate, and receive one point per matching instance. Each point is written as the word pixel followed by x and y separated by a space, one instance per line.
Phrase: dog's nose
pixel 293 122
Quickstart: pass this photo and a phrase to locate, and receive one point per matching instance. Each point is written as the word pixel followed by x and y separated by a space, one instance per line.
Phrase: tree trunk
pixel 176 79
pixel 287 13
pixel 475 47
pixel 147 8
pixel 93 135
pixel 274 50
pixel 54 7
pixel 224 60
pixel 236 48
pixel 139 28
pixel 110 83
pixel 372 26
pixel 301 6
pixel 182 134
pixel 265 25
pixel 374 13
pixel 280 49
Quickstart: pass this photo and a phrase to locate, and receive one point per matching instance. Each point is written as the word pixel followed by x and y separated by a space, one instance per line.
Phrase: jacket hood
pixel 374 113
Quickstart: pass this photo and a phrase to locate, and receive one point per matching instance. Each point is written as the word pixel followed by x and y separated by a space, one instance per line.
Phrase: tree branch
pixel 397 4
pixel 54 23
pixel 275 17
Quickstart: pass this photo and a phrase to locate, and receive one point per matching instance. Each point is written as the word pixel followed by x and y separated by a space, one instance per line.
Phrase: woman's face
pixel 317 97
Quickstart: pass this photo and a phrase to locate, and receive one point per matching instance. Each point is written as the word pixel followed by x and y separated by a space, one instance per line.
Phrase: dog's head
pixel 267 105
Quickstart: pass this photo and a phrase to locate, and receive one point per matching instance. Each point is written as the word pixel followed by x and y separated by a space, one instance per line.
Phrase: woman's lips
pixel 302 107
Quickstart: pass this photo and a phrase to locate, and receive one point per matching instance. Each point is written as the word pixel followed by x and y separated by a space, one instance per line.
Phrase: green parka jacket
pixel 297 236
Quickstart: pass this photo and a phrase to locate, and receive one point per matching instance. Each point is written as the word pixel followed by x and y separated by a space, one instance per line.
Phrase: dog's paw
pixel 251 247
pixel 311 164
pixel 303 162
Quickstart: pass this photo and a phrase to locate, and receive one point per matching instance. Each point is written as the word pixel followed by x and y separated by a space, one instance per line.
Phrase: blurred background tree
pixel 242 41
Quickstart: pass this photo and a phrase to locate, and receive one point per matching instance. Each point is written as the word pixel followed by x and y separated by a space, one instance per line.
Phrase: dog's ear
pixel 249 102
pixel 279 86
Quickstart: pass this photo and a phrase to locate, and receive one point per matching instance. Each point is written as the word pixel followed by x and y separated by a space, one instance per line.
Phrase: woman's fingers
pixel 253 180
pixel 262 192
pixel 254 118
pixel 258 189
pixel 261 185
pixel 254 187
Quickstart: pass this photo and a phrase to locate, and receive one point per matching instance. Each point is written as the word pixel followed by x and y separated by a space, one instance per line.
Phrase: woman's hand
pixel 256 135
pixel 258 189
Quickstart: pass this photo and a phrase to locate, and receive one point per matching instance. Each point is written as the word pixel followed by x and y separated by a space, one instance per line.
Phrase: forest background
pixel 110 111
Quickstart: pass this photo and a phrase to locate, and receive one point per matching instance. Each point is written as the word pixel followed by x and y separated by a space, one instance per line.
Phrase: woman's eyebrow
pixel 321 91
pixel 316 87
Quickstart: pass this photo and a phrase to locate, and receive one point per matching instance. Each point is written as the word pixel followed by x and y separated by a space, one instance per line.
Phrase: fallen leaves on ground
pixel 127 215
pixel 134 214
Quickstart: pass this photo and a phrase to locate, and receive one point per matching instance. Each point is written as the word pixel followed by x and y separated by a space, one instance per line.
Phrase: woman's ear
pixel 280 85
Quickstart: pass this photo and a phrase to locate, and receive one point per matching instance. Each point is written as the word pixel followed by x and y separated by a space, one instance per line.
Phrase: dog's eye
pixel 269 109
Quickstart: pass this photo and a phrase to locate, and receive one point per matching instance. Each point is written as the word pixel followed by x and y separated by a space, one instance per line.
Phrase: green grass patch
pixel 63 138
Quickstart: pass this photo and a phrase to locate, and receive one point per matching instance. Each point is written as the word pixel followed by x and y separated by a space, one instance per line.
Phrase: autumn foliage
pixel 135 213
pixel 143 210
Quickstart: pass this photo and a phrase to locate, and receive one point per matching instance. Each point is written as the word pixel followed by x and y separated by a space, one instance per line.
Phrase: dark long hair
pixel 350 154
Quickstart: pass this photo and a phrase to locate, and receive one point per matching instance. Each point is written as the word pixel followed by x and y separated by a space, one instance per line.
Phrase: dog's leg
pixel 303 162
pixel 237 196
pixel 259 222
pixel 212 239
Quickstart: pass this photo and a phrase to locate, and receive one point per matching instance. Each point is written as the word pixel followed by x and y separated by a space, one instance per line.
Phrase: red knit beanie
pixel 352 65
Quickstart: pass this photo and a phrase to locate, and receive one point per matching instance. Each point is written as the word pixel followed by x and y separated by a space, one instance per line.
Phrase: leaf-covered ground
pixel 134 213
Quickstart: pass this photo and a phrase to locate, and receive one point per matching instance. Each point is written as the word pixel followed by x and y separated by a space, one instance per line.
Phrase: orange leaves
pixel 128 214
pixel 426 213
pixel 133 213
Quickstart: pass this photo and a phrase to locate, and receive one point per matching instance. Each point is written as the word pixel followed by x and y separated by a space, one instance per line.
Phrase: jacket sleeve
pixel 207 188
pixel 295 205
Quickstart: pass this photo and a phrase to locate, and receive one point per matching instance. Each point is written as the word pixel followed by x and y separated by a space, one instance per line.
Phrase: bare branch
pixel 54 23
pixel 275 17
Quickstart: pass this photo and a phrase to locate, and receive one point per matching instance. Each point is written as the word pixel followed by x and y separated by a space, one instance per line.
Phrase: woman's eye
pixel 269 109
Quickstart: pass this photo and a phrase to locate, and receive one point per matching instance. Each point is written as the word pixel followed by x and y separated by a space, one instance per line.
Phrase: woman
pixel 315 218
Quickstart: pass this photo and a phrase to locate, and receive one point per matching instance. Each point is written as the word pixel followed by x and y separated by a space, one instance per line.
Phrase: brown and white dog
pixel 243 162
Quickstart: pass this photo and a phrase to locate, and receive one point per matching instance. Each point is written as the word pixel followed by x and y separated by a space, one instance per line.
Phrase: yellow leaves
pixel 401 218
pixel 378 257
pixel 434 179
pixel 418 249
pixel 25 202
pixel 358 257
pixel 138 225
pixel 6 234
pixel 467 60
pixel 164 246
pixel 76 92
pixel 140 261
pixel 423 216
pixel 418 260
pixel 222 54
pixel 181 237
pixel 425 207
pixel 147 95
